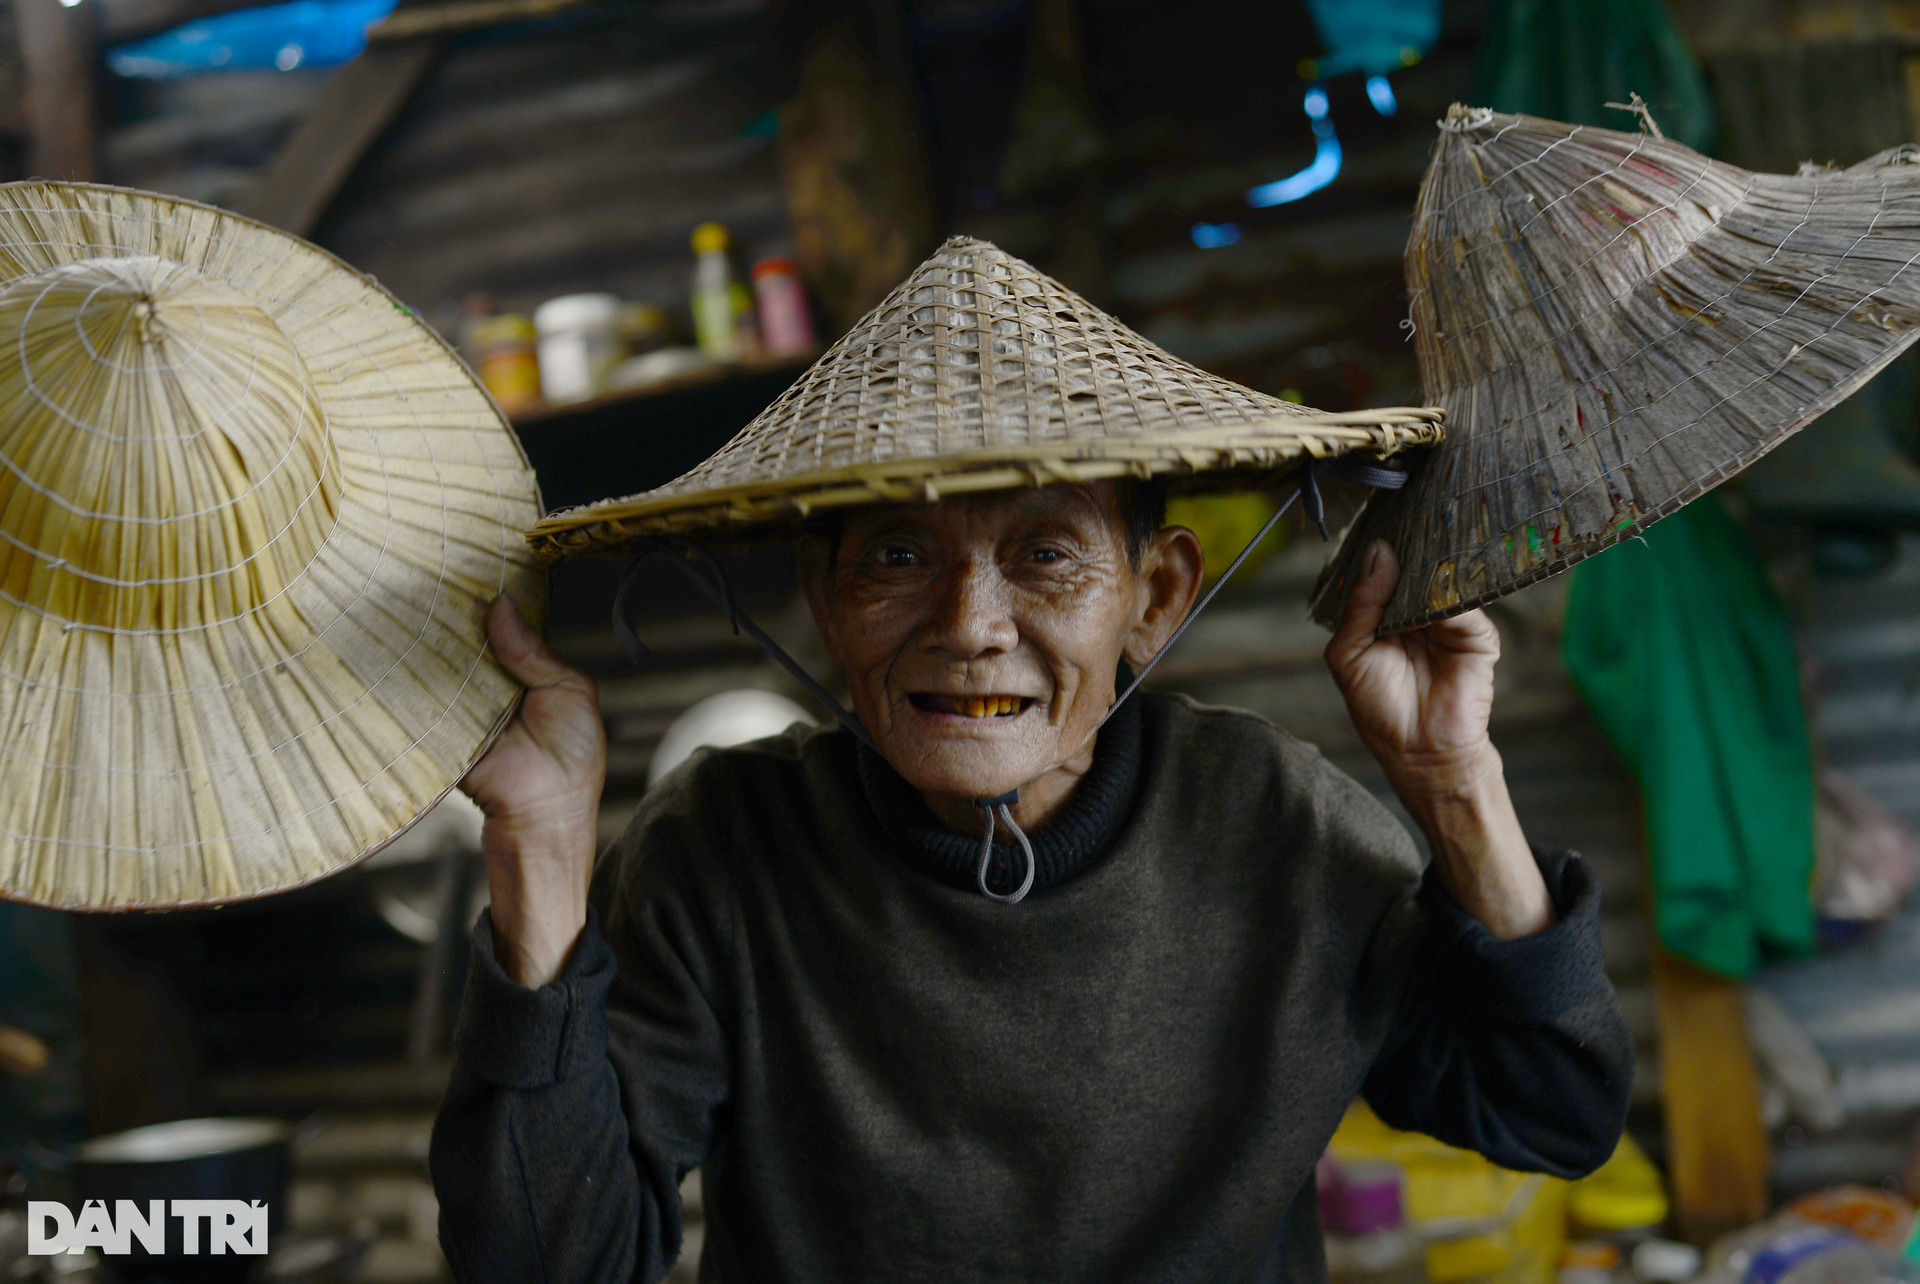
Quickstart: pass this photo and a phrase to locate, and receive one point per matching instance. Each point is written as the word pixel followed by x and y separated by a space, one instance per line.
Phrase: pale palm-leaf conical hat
pixel 980 373
pixel 251 512
pixel 1614 325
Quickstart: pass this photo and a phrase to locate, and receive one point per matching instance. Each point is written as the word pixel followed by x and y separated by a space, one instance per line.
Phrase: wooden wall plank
pixel 574 157
pixel 1718 1155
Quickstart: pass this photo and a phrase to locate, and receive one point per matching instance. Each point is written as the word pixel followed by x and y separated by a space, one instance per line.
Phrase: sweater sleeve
pixel 1515 1049
pixel 575 1110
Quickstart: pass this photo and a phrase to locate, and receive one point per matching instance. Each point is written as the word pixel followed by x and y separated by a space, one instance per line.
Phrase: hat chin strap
pixel 707 576
pixel 988 806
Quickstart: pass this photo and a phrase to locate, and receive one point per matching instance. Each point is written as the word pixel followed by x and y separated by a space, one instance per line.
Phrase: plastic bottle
pixel 785 326
pixel 1789 1251
pixel 714 326
pixel 1369 1241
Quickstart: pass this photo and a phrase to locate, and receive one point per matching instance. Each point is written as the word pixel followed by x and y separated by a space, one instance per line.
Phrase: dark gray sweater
pixel 1128 1076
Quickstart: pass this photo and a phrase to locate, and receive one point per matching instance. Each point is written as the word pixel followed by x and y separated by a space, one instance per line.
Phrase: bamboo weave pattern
pixel 1615 324
pixel 251 512
pixel 980 373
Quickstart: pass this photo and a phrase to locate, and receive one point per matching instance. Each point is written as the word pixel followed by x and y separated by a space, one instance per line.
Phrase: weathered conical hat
pixel 251 512
pixel 1615 324
pixel 980 373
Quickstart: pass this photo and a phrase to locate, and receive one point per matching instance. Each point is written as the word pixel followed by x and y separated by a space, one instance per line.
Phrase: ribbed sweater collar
pixel 1068 843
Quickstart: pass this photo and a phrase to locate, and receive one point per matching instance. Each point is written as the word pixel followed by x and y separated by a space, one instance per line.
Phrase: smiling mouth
pixel 988 706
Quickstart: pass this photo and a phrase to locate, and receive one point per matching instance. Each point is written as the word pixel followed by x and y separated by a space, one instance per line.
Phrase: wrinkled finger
pixel 474 783
pixel 524 653
pixel 1469 631
pixel 1366 606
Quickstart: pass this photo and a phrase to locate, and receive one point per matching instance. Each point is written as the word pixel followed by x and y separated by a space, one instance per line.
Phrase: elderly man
pixel 786 971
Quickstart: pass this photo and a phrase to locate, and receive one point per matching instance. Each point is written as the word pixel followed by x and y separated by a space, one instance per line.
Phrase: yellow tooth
pixel 1006 705
pixel 976 708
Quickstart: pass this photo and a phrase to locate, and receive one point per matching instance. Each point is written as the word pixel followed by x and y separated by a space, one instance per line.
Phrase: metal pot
pixel 244 1159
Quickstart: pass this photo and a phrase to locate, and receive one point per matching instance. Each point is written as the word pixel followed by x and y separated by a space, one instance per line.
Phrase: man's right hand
pixel 539 786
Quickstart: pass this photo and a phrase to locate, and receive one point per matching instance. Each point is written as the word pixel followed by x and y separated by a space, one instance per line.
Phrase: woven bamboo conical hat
pixel 979 373
pixel 251 512
pixel 1614 325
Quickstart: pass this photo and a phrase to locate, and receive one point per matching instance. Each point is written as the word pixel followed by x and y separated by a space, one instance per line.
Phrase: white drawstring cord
pixel 989 806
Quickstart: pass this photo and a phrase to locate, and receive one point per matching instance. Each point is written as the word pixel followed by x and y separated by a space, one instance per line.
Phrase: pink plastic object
pixel 1361 1198
pixel 786 329
pixel 1370 1198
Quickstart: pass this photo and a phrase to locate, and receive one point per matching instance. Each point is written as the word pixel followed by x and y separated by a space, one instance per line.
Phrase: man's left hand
pixel 1421 702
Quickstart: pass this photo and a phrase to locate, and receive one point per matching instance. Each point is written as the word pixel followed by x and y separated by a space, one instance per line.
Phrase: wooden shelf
pixel 625 397
pixel 627 442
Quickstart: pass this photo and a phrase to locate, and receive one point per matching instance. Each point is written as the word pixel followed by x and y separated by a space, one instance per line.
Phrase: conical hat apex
pixel 251 514
pixel 980 373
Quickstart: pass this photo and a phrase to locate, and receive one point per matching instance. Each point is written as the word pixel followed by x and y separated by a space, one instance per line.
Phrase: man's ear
pixel 816 581
pixel 1171 568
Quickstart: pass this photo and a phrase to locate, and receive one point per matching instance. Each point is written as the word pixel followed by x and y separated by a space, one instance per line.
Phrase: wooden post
pixel 1057 149
pixel 1718 1156
pixel 852 158
pixel 57 52
pixel 355 107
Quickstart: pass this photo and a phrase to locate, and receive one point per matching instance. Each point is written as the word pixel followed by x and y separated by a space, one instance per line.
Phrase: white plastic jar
pixel 579 345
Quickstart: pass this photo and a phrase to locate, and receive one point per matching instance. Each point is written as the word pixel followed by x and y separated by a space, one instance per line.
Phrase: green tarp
pixel 1681 649
pixel 1567 59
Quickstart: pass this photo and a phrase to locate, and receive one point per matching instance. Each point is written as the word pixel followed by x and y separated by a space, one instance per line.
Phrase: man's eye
pixel 894 555
pixel 1046 555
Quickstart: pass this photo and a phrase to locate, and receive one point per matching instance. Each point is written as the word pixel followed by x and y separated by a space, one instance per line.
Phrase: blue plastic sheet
pixel 303 33
pixel 1374 36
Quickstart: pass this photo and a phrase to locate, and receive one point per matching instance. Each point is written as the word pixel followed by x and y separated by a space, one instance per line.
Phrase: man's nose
pixel 972 617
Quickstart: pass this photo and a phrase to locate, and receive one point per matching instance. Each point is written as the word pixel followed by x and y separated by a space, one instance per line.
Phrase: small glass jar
pixel 509 361
pixel 579 345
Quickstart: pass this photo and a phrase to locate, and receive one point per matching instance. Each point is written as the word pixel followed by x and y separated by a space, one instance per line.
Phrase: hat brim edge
pixel 1228 456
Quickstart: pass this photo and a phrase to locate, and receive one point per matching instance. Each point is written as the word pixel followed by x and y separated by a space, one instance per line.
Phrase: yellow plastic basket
pixel 1480 1222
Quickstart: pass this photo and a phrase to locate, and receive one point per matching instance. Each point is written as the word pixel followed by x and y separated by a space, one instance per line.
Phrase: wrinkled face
pixel 981 634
